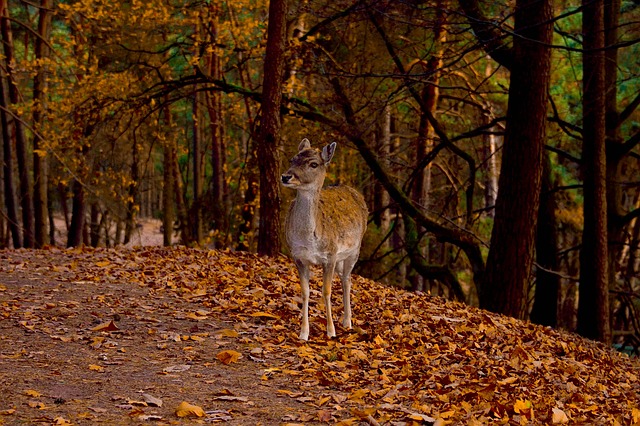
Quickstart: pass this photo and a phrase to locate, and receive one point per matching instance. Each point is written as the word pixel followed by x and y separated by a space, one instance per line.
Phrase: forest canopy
pixel 496 143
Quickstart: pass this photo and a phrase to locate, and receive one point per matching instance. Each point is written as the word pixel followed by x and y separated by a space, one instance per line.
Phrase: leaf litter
pixel 158 334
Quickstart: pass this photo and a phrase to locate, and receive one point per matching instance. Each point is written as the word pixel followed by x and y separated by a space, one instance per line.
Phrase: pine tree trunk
pixel 615 210
pixel 26 194
pixel 380 197
pixel 196 207
pixel 94 225
pixel 593 302
pixel 78 209
pixel 269 135
pixel 510 259
pixel 8 166
pixel 545 305
pixel 168 196
pixel 132 202
pixel 214 105
pixel 40 175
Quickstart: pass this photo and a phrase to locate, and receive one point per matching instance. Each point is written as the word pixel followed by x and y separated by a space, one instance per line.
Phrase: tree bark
pixel 424 143
pixel 94 225
pixel 196 208
pixel 545 305
pixel 511 255
pixel 132 201
pixel 78 210
pixel 593 301
pixel 168 194
pixel 8 165
pixel 40 173
pixel 615 209
pixel 269 135
pixel 219 197
pixel 26 194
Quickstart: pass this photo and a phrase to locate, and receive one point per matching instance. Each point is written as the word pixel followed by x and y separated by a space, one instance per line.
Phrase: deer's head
pixel 308 167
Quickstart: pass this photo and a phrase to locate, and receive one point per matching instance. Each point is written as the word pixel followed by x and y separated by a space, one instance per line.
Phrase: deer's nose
pixel 286 178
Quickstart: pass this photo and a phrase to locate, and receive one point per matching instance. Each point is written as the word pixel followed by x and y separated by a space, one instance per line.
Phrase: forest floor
pixel 154 335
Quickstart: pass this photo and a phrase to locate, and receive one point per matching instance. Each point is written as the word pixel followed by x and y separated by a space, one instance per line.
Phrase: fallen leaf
pixel 176 368
pixel 522 406
pixel 106 326
pixel 558 416
pixel 94 367
pixel 196 316
pixel 265 315
pixel 358 395
pixel 32 393
pixel 37 404
pixel 187 410
pixel 324 416
pixel 150 417
pixel 232 398
pixel 229 356
pixel 227 333
pixel 290 393
pixel 151 400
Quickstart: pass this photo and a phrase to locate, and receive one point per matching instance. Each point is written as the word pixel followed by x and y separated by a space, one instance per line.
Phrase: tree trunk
pixel 380 197
pixel 94 225
pixel 424 142
pixel 78 210
pixel 184 224
pixel 196 207
pixel 508 272
pixel 8 165
pixel 26 194
pixel 545 305
pixel 615 209
pixel 40 175
pixel 4 237
pixel 214 105
pixel 168 196
pixel 132 202
pixel 247 214
pixel 269 134
pixel 593 302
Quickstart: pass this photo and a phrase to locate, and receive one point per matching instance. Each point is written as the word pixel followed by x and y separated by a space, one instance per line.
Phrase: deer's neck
pixel 305 212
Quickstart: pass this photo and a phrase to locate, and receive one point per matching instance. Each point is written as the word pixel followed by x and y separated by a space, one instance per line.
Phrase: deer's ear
pixel 304 144
pixel 328 151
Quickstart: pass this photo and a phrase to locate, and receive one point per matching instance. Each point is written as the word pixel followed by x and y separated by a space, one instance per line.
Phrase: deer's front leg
pixel 327 278
pixel 303 272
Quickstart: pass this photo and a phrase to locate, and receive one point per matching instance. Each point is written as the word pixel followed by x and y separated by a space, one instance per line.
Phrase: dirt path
pixel 56 364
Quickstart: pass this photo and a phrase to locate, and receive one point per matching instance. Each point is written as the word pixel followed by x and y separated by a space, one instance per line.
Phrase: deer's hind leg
pixel 345 277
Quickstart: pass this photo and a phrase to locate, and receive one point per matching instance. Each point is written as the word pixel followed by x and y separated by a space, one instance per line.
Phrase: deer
pixel 323 227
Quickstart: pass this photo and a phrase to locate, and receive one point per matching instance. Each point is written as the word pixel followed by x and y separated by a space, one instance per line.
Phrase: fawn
pixel 323 227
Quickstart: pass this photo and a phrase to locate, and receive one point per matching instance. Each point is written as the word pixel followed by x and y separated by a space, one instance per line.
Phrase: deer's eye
pixel 313 165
